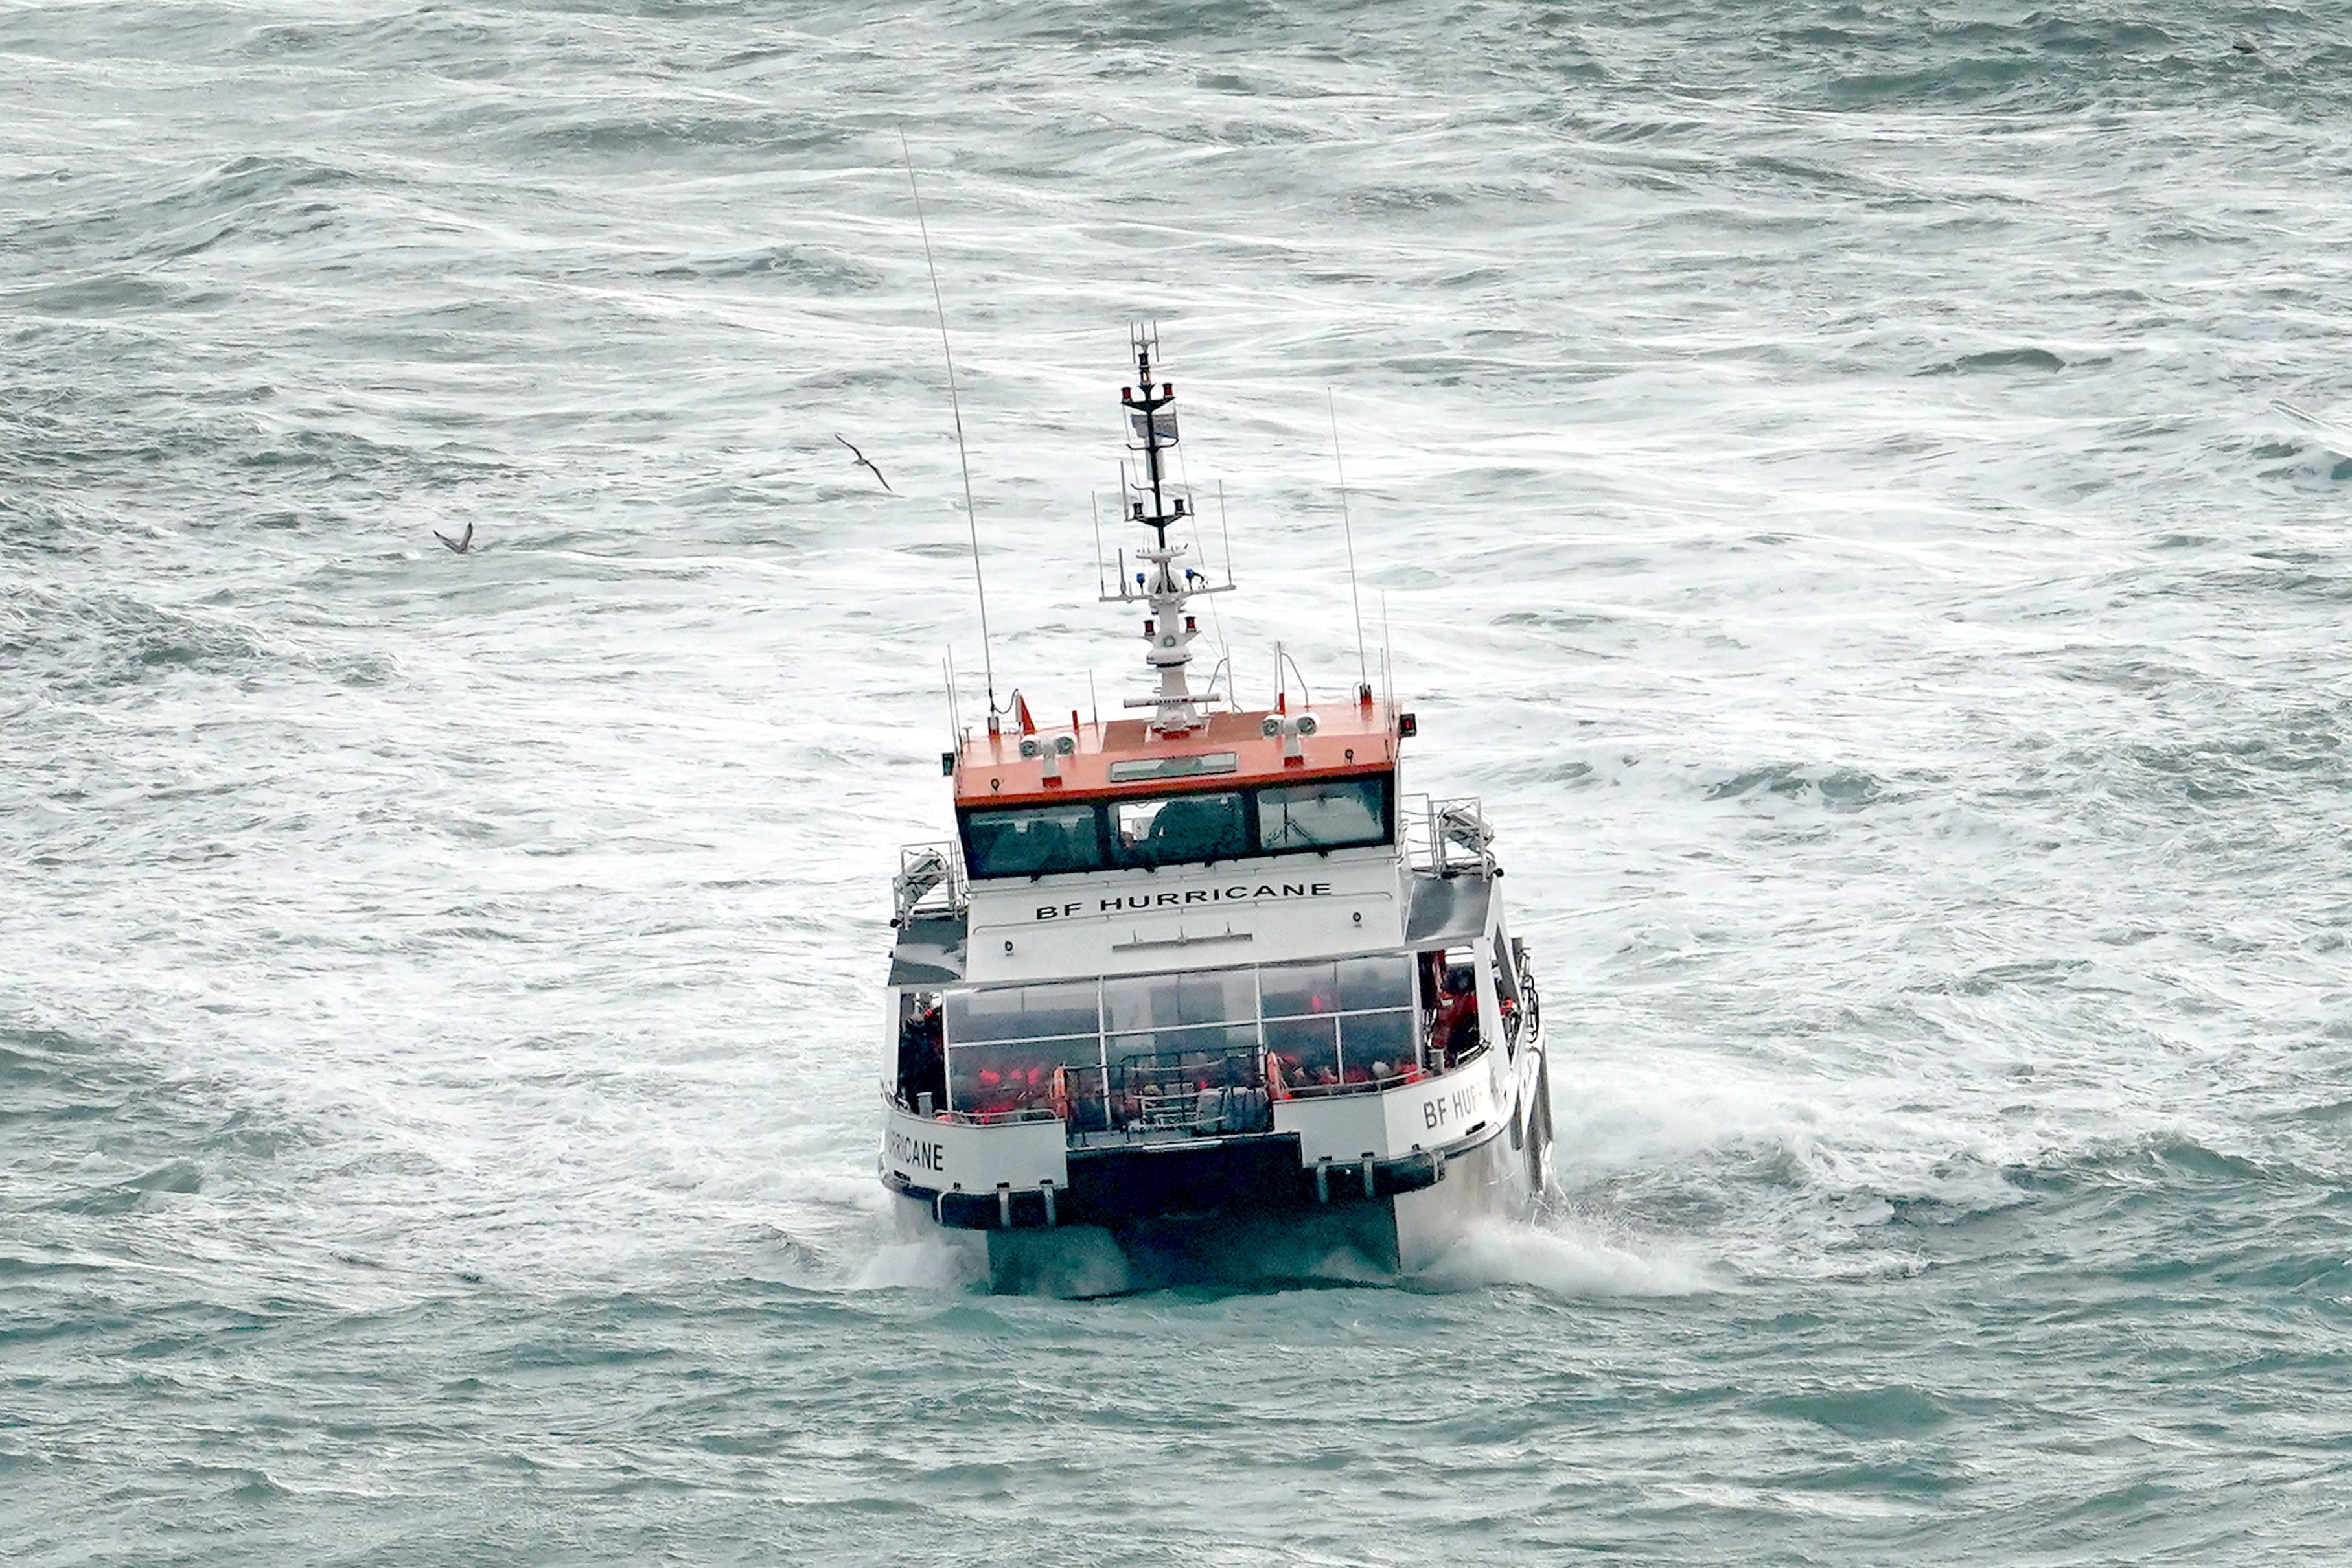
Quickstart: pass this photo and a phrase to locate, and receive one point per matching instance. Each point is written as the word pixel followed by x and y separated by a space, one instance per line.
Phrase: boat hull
pixel 1287 1228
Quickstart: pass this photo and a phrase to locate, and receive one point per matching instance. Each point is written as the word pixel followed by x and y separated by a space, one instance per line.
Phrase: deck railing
pixel 930 882
pixel 1445 836
pixel 1147 1099
pixel 1381 1085
pixel 969 1117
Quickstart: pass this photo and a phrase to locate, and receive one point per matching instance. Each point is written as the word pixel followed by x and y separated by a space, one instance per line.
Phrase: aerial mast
pixel 1163 584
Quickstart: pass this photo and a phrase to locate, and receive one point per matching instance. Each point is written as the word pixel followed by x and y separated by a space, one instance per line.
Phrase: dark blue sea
pixel 1863 491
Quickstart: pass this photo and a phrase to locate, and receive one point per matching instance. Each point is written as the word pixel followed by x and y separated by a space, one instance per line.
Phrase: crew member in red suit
pixel 1456 1027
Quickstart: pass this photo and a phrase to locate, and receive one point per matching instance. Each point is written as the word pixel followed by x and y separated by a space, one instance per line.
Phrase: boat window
pixel 1194 1016
pixel 1376 1045
pixel 1323 815
pixel 1024 1075
pixel 1117 1051
pixel 1369 1000
pixel 1174 829
pixel 1023 1013
pixel 1375 983
pixel 1036 842
pixel 1293 988
pixel 1161 1001
pixel 1167 829
pixel 1304 1050
pixel 1205 1044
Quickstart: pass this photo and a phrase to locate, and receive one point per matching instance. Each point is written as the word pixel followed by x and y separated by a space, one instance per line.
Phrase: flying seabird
pixel 460 545
pixel 866 463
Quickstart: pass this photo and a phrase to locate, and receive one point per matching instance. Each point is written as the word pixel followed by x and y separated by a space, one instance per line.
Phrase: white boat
pixel 1202 992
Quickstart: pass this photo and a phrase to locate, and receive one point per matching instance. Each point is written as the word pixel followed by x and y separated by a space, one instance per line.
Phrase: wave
pixel 1564 1258
pixel 94 642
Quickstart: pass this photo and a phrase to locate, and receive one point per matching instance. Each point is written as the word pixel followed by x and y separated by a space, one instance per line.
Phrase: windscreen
pixel 1036 842
pixel 1325 814
pixel 1191 827
pixel 1165 830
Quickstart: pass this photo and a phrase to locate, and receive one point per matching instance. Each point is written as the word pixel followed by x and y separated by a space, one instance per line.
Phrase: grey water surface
pixel 1819 470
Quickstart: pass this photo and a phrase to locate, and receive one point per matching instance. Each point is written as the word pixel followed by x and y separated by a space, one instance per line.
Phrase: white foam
pixel 1565 1259
pixel 923 1265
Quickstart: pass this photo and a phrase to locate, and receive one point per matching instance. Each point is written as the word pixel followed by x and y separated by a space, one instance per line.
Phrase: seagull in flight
pixel 865 462
pixel 460 546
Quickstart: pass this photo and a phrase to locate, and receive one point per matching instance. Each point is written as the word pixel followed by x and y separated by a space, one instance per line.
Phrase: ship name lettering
pixel 1454 1107
pixel 917 1152
pixel 1238 892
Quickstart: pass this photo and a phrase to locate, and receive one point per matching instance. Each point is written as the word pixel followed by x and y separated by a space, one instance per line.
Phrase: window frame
pixel 1260 1024
pixel 1383 816
pixel 1106 827
pixel 1245 801
pixel 1101 860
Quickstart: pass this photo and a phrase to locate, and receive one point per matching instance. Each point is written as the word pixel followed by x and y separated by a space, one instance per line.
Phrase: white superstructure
pixel 1204 992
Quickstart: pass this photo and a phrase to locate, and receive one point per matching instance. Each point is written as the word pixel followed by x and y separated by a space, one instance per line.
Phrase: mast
pixel 1162 583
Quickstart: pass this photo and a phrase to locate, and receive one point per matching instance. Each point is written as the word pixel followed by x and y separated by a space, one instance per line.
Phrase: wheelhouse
pixel 1114 797
pixel 1144 832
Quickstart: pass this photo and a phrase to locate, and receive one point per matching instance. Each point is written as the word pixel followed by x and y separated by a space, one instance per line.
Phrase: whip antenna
pixel 1347 532
pixel 955 407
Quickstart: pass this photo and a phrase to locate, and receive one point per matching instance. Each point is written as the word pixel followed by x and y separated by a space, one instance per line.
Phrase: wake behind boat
pixel 1203 993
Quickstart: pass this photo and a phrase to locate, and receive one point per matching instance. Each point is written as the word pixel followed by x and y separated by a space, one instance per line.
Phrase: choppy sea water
pixel 1819 469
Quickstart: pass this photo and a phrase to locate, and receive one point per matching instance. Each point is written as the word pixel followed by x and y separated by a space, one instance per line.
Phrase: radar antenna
pixel 1163 584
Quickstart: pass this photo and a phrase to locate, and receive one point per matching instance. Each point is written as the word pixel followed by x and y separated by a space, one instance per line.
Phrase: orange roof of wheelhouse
pixel 1351 739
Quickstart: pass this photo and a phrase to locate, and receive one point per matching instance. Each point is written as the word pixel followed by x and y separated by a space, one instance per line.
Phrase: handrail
pixel 1362 1086
pixel 1381 1085
pixel 930 882
pixel 1302 1091
pixel 1527 1019
pixel 1446 835
pixel 973 1118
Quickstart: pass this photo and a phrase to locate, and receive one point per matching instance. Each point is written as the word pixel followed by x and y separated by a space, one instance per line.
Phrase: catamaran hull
pixel 1285 1229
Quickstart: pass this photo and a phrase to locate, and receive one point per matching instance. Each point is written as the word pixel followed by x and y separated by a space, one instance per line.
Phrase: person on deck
pixel 1455 1028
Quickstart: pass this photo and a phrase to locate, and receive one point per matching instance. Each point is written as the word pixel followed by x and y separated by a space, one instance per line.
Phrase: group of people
pixel 1287 1075
pixel 1449 1011
pixel 1005 1090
